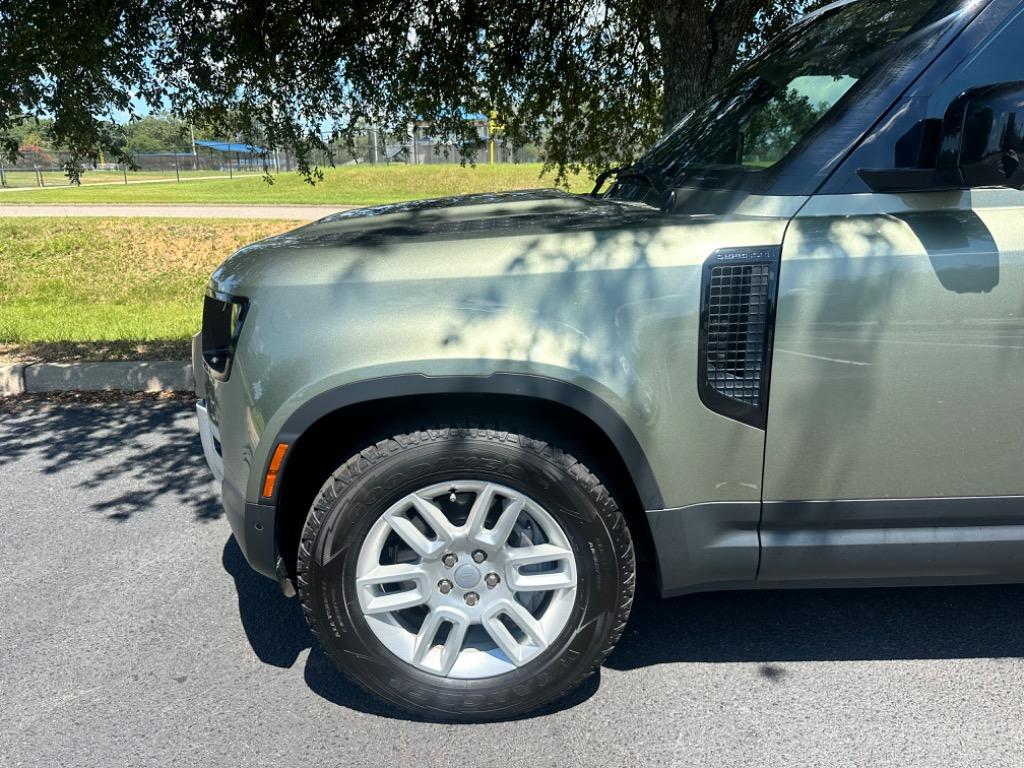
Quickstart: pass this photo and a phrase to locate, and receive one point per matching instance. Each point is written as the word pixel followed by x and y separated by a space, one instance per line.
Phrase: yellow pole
pixel 490 138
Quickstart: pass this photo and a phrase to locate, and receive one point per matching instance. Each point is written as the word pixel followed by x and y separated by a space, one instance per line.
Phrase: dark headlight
pixel 222 323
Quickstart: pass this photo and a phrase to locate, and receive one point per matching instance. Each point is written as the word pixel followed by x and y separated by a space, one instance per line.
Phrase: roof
pixel 227 146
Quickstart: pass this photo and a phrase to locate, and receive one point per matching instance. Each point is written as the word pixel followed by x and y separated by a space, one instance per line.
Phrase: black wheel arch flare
pixel 585 403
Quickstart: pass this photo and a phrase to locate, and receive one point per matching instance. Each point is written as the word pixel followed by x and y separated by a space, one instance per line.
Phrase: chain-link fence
pixel 38 167
pixel 417 146
pixel 42 167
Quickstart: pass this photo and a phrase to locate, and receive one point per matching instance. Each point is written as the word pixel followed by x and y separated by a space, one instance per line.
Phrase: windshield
pixel 802 80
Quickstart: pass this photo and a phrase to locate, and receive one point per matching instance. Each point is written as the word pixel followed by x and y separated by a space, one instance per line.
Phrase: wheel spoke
pixel 523 619
pixel 516 652
pixel 540 582
pixel 417 541
pixel 478 512
pixel 535 555
pixel 393 574
pixel 393 601
pixel 453 644
pixel 503 639
pixel 498 535
pixel 435 518
pixel 518 557
pixel 449 653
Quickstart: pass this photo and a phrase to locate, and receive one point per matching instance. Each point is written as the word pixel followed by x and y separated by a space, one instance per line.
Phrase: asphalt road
pixel 134 634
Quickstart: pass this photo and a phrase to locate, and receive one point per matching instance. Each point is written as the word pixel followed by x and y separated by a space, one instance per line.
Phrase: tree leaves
pixel 592 82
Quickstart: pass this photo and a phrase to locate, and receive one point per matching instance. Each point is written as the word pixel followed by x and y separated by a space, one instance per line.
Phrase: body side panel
pixel 899 349
pixel 896 387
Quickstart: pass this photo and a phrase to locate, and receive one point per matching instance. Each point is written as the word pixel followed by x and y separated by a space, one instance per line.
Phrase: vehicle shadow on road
pixel 278 634
pixel 774 627
pixel 769 628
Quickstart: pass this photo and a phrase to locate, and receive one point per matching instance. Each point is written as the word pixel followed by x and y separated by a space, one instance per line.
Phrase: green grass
pixel 112 279
pixel 347 185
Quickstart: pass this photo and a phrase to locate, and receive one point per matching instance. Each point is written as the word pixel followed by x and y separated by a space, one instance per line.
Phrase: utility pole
pixel 192 133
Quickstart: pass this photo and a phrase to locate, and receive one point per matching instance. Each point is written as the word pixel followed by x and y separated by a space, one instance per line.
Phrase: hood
pixel 476 216
pixel 392 235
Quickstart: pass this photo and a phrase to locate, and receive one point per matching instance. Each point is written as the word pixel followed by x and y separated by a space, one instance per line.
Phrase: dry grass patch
pixel 123 280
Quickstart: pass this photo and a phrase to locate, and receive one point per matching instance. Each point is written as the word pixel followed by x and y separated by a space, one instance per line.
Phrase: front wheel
pixel 466 574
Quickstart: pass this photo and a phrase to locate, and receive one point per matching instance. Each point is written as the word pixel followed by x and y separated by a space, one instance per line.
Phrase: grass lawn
pixel 347 185
pixel 108 284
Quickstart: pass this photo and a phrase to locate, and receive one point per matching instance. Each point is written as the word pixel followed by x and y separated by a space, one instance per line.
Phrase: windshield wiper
pixel 625 173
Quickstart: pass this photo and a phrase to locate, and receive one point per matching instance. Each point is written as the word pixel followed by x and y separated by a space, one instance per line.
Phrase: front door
pixel 895 433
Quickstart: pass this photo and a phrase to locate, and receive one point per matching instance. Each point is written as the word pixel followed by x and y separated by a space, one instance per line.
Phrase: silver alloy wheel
pixel 441 613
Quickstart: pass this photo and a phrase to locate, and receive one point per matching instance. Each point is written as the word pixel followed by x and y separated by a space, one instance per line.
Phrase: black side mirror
pixel 980 144
pixel 983 136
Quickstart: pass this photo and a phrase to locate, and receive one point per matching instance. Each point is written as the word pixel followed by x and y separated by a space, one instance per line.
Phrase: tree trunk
pixel 699 48
pixel 683 34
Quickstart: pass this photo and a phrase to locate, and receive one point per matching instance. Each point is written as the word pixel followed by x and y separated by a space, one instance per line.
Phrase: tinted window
pixel 997 61
pixel 805 81
pixel 986 54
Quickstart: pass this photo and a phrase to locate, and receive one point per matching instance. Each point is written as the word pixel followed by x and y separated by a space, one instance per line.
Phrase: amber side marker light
pixel 275 464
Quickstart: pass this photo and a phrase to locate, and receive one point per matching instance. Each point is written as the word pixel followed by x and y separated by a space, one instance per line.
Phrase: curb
pixel 122 376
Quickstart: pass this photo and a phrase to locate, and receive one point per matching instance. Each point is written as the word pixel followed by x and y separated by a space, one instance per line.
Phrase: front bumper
pixel 210 438
pixel 252 524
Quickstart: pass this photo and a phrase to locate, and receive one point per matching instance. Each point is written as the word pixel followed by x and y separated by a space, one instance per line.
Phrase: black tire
pixel 358 493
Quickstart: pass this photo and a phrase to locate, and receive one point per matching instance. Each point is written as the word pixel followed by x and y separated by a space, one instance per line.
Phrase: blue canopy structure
pixel 227 146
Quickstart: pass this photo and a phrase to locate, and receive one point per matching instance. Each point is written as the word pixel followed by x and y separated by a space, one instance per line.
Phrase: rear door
pixel 895 436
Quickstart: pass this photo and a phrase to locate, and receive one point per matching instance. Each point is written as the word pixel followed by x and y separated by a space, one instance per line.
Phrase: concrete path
pixel 134 634
pixel 212 211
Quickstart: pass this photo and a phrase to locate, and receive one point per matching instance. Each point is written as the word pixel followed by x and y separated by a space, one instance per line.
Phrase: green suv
pixel 785 348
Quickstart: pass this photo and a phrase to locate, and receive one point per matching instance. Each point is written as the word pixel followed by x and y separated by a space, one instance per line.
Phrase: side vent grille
pixel 737 314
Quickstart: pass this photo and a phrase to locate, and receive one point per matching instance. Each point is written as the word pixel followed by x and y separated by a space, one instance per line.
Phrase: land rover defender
pixel 785 348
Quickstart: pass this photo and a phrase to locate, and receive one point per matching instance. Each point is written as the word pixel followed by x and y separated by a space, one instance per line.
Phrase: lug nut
pixel 449 560
pixel 472 598
pixel 479 556
pixel 492 580
pixel 445 586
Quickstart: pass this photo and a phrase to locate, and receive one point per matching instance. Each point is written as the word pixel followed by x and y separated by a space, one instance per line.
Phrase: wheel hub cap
pixel 425 599
pixel 467 576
